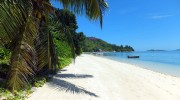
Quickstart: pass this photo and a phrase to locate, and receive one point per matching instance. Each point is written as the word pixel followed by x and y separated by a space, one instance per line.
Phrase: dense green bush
pixel 39 82
pixel 16 95
pixel 4 55
pixel 64 62
pixel 64 53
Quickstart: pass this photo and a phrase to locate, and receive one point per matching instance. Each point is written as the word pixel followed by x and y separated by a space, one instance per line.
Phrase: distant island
pixel 93 44
pixel 178 50
pixel 155 50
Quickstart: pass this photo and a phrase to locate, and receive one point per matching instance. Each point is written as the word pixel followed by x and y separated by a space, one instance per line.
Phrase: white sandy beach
pixel 96 78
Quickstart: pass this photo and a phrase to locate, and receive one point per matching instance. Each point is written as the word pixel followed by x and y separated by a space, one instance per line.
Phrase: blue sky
pixel 142 24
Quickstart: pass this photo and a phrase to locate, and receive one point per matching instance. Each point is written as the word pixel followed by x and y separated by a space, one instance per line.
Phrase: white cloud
pixel 159 16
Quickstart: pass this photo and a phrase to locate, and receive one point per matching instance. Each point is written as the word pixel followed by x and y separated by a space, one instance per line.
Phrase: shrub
pixel 39 82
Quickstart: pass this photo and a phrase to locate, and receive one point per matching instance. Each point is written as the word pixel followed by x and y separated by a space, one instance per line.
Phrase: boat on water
pixel 133 56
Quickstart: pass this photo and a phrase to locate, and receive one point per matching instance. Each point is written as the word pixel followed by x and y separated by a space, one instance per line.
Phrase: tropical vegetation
pixel 33 33
pixel 92 44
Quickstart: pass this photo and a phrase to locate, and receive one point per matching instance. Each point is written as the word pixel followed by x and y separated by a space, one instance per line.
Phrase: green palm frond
pixel 8 14
pixel 41 45
pixel 53 57
pixel 70 41
pixel 62 22
pixel 23 60
pixel 18 29
pixel 42 9
pixel 47 57
pixel 32 47
pixel 23 66
pixel 94 9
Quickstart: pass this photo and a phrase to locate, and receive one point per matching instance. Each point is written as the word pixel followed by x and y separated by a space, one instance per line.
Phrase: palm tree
pixel 23 26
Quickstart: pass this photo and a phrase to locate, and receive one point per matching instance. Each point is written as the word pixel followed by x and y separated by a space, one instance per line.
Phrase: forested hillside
pixel 92 44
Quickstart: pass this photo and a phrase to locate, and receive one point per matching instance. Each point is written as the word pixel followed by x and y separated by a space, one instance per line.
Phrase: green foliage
pixel 4 53
pixel 24 27
pixel 39 82
pixel 64 53
pixel 92 44
pixel 78 39
pixel 65 62
pixel 18 29
pixel 66 20
pixel 67 41
pixel 16 95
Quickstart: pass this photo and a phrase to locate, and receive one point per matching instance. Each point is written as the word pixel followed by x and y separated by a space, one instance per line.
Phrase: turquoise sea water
pixel 167 62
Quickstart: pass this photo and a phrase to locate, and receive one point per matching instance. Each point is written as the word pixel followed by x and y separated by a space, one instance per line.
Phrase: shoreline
pixel 138 66
pixel 144 66
pixel 100 78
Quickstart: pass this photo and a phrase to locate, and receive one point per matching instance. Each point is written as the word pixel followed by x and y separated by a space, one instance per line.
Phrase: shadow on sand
pixel 73 76
pixel 62 70
pixel 62 85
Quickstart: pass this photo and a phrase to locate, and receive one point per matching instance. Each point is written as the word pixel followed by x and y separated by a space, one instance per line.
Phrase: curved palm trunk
pixel 23 60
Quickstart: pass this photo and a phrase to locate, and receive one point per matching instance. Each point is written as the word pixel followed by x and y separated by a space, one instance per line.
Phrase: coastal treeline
pixel 92 44
pixel 36 38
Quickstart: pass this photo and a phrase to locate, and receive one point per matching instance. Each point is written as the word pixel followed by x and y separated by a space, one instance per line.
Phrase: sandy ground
pixel 96 78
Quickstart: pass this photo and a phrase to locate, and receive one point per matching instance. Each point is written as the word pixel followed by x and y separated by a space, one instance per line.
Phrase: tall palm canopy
pixel 24 27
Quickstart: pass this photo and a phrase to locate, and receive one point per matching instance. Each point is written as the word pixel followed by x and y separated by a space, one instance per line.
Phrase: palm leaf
pixel 47 57
pixel 61 23
pixel 19 21
pixel 69 40
pixel 53 61
pixel 18 28
pixel 23 60
pixel 94 9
